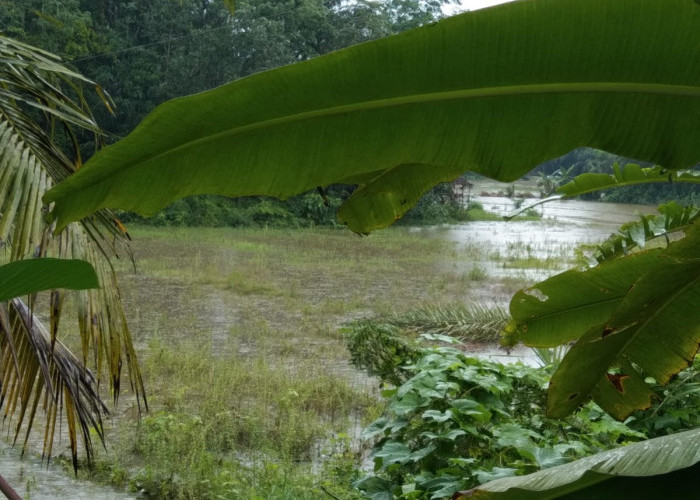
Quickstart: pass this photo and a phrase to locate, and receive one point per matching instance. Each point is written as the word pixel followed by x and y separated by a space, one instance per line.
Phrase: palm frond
pixel 38 97
pixel 672 218
pixel 466 322
pixel 27 350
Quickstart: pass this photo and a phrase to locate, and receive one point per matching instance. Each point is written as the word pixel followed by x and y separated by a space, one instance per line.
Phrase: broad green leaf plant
pixel 42 110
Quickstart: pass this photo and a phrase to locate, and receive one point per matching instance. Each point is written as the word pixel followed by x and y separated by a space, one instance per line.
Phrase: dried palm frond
pixel 41 104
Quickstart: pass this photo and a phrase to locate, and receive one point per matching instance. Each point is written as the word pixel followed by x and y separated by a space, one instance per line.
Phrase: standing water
pixel 33 480
pixel 514 249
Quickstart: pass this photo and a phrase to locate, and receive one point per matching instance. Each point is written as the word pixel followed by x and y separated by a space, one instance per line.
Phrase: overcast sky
pixel 472 5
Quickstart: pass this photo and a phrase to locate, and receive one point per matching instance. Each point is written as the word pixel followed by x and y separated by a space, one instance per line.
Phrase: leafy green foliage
pixel 459 422
pixel 387 345
pixel 657 468
pixel 380 350
pixel 621 308
pixel 673 218
pixel 317 207
pixel 675 406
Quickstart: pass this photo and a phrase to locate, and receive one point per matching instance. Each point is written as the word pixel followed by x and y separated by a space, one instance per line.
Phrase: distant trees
pixel 144 53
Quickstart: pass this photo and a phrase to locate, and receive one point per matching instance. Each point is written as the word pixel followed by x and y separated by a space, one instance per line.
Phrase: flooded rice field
pixel 282 295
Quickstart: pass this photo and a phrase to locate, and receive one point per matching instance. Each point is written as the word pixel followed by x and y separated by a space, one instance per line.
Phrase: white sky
pixel 472 5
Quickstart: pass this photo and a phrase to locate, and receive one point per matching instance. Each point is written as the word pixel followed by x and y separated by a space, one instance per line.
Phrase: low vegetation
pixel 251 391
pixel 456 422
pixel 243 338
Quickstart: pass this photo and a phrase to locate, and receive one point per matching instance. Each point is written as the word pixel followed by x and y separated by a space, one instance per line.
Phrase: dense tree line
pixel 145 53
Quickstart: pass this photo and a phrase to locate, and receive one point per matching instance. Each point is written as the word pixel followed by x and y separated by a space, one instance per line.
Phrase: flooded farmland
pixel 254 298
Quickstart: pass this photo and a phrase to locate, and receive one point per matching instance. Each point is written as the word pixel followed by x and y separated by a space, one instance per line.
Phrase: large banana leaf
pixel 30 276
pixel 631 317
pixel 665 467
pixel 495 91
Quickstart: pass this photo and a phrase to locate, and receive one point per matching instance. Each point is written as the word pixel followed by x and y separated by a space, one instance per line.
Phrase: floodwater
pixel 565 226
pixel 564 222
pixel 33 480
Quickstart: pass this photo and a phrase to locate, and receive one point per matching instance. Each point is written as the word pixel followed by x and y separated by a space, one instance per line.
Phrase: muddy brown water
pixel 565 225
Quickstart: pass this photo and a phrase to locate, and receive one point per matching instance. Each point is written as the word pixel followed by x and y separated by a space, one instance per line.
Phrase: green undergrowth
pixel 385 345
pixel 236 426
pixel 456 422
pixel 311 209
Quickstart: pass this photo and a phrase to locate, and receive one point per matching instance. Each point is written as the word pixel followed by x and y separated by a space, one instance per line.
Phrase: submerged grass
pixel 251 391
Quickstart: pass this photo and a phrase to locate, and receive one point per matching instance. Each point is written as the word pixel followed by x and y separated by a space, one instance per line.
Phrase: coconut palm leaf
pixel 41 104
pixel 467 322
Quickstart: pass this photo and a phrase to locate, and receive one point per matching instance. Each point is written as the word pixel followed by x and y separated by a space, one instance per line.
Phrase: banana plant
pixel 41 111
pixel 497 92
pixel 656 468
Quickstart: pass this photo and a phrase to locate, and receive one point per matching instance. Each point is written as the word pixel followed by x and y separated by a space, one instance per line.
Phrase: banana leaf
pixel 25 277
pixel 495 91
pixel 665 467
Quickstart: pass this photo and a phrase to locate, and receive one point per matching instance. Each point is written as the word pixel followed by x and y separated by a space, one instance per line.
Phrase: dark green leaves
pixel 560 309
pixel 29 276
pixel 496 91
pixel 632 318
pixel 651 469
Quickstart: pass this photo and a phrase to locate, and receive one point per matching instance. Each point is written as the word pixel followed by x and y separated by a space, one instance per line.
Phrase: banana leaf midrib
pixel 568 309
pixel 426 98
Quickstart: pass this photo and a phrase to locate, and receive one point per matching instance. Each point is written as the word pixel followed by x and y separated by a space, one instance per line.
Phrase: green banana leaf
pixel 629 175
pixel 665 467
pixel 495 91
pixel 632 318
pixel 24 277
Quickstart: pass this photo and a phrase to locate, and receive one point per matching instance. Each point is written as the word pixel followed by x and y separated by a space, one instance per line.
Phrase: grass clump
pixel 233 426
